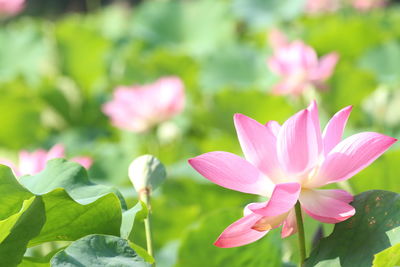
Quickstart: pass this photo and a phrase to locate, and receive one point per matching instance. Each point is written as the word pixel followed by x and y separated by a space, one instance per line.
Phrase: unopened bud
pixel 146 173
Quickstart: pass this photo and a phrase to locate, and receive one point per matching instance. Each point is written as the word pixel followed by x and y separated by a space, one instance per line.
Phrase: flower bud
pixel 146 173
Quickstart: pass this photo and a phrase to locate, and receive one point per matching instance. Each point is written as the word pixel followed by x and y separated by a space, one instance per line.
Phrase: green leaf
pixel 384 62
pixel 19 111
pixel 39 261
pixel 19 229
pixel 203 34
pixel 143 66
pixel 24 52
pixel 75 207
pixel 262 13
pixel 142 252
pixel 357 35
pixel 69 220
pixel 98 250
pixel 83 52
pixel 235 66
pixel 197 248
pixel 385 172
pixel 388 257
pixel 354 242
pixel 183 24
pixel 31 262
pixel 159 22
pixel 12 193
pixel 337 97
pixel 71 176
pixel 137 213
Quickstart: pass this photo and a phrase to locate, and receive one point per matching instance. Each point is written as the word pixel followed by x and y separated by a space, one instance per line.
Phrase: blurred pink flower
pixel 31 163
pixel 11 7
pixel 287 163
pixel 322 6
pixel 299 66
pixel 365 5
pixel 277 39
pixel 138 108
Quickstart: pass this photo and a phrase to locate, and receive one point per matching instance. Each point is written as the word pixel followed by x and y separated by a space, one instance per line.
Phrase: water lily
pixel 287 164
pixel 139 108
pixel 31 163
pixel 11 7
pixel 322 6
pixel 299 67
pixel 365 5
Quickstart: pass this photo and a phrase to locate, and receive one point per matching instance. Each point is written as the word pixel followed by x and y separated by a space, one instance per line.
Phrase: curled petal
pixel 240 232
pixel 233 172
pixel 333 131
pixel 258 144
pixel 268 223
pixel 282 200
pixel 297 143
pixel 328 206
pixel 351 156
pixel 289 225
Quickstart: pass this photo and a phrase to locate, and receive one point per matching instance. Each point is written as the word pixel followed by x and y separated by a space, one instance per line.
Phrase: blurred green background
pixel 61 60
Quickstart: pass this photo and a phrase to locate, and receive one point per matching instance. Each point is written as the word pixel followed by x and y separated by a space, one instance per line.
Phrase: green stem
pixel 150 139
pixel 300 230
pixel 147 224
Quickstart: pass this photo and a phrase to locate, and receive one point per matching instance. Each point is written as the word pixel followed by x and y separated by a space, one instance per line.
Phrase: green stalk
pixel 300 230
pixel 147 224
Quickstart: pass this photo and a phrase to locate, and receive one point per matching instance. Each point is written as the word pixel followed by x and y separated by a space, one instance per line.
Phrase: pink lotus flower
pixel 31 163
pixel 277 39
pixel 365 5
pixel 299 66
pixel 287 164
pixel 138 108
pixel 11 7
pixel 322 6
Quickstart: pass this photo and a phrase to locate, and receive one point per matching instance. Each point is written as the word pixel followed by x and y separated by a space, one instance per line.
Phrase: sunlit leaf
pixel 373 228
pixel 19 229
pixel 388 257
pixel 98 250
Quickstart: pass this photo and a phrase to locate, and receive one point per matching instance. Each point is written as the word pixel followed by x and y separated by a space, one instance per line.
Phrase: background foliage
pixel 61 60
